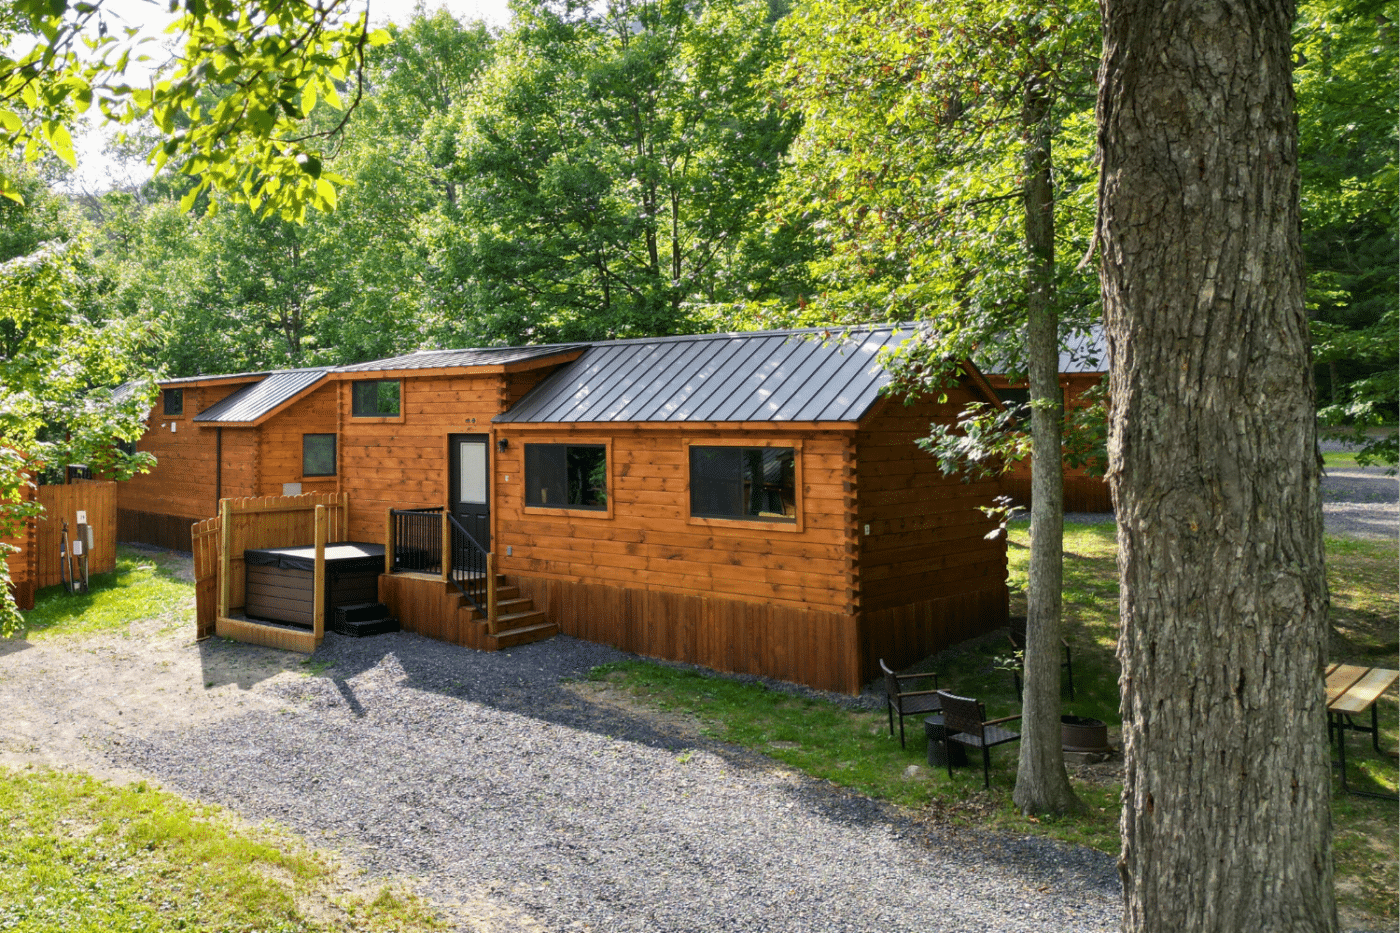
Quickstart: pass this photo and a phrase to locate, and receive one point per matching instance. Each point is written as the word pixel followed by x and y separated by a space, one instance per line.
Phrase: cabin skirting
pixel 826 650
pixel 167 531
pixel 803 646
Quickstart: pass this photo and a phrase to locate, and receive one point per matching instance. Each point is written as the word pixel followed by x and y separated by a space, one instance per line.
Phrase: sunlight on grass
pixel 143 586
pixel 854 749
pixel 79 854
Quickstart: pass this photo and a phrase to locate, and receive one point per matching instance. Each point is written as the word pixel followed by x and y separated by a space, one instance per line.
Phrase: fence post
pixel 491 592
pixel 225 545
pixel 318 580
pixel 446 548
pixel 389 540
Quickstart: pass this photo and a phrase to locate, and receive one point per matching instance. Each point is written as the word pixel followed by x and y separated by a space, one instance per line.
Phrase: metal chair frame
pixel 907 702
pixel 965 722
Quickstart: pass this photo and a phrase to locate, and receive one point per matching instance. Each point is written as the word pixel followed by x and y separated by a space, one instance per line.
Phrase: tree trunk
pixel 1042 786
pixel 1214 469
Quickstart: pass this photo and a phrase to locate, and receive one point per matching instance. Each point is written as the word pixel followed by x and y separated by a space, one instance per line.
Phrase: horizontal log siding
pixel 816 648
pixel 925 575
pixel 649 544
pixel 1083 493
pixel 280 441
pixel 404 465
pixel 158 507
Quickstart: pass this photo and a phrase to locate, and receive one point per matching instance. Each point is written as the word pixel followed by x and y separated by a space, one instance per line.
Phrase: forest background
pixel 653 168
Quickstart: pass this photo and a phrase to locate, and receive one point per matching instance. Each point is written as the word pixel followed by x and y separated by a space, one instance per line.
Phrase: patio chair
pixel 965 722
pixel 1017 636
pixel 907 702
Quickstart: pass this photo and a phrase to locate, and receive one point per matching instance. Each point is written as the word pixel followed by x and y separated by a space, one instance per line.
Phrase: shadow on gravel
pixel 9 646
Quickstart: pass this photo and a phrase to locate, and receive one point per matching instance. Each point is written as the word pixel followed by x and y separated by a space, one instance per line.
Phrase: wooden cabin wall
pixel 647 579
pixel 926 575
pixel 279 458
pixel 1083 493
pixel 158 507
pixel 402 462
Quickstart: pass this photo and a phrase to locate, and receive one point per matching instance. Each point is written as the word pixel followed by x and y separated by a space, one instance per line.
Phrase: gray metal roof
pixel 811 375
pixel 1080 352
pixel 475 356
pixel 254 401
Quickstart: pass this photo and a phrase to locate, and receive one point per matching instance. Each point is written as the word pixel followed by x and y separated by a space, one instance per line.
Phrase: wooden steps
pixel 431 606
pixel 518 622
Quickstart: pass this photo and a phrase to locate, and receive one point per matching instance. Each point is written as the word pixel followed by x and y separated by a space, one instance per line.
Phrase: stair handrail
pixel 478 564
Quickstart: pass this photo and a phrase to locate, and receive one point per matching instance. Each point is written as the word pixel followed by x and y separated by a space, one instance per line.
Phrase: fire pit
pixel 1080 734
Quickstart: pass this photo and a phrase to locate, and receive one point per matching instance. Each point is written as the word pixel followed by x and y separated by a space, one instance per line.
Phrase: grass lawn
pixel 144 586
pixel 80 855
pixel 853 749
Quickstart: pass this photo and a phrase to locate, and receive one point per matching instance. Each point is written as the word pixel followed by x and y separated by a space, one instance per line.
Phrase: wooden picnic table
pixel 1351 690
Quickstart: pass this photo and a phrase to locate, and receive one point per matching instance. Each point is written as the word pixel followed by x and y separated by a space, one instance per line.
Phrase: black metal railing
pixel 417 540
pixel 469 566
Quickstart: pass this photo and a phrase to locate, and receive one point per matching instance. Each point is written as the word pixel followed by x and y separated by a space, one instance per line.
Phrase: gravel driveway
pixel 515 799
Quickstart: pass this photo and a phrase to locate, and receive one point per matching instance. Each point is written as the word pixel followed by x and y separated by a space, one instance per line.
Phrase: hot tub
pixel 280 580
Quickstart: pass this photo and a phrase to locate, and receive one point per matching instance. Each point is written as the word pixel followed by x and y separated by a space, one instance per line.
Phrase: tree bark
pixel 1214 469
pixel 1042 786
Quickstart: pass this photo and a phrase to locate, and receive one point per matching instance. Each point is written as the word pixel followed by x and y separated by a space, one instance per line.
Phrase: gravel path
pixel 522 801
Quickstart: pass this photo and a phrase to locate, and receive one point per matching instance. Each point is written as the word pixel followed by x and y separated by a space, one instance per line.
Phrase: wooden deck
pixel 428 605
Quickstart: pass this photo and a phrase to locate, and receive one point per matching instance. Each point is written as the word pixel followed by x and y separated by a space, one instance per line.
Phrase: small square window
pixel 566 476
pixel 174 401
pixel 318 455
pixel 375 399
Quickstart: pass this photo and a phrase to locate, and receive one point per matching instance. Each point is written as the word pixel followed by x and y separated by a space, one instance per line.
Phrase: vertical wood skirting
pixel 820 649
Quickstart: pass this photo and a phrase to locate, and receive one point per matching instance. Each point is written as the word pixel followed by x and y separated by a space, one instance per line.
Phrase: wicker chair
pixel 907 702
pixel 965 722
pixel 1017 636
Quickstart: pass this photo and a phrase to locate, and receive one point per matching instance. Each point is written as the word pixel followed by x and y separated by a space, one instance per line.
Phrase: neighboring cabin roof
pixel 772 376
pixel 1080 352
pixel 452 359
pixel 255 401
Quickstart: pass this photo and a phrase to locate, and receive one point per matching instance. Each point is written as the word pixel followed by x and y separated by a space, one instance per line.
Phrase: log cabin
pixel 751 502
pixel 1083 368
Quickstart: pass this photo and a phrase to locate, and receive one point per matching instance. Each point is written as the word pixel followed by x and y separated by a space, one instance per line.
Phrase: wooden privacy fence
pixel 243 524
pixel 36 564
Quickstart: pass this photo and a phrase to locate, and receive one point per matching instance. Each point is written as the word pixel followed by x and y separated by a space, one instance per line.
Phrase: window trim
pixel 165 395
pixel 335 455
pixel 378 419
pixel 610 470
pixel 799 503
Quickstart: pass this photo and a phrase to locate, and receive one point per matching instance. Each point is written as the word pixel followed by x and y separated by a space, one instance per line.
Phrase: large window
pixel 377 398
pixel 748 483
pixel 566 476
pixel 174 401
pixel 318 455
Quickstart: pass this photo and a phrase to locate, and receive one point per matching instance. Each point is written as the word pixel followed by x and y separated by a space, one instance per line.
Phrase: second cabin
pixel 748 502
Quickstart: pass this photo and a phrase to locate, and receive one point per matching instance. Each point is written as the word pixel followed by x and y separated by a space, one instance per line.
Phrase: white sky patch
pixel 97 171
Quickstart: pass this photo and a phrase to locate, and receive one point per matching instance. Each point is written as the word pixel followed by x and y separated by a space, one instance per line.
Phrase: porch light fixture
pixel 502 444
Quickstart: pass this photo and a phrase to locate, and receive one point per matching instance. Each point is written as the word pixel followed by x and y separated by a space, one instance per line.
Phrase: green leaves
pixel 266 66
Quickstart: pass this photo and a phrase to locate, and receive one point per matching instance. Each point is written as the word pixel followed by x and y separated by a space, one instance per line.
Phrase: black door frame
pixel 481 521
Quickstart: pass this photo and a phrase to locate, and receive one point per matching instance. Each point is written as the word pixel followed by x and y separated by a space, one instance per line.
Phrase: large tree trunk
pixel 1214 470
pixel 1042 786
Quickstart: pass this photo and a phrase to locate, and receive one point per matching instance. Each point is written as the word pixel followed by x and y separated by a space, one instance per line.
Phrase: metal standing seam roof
pixel 1080 352
pixel 252 402
pixel 812 375
pixel 444 359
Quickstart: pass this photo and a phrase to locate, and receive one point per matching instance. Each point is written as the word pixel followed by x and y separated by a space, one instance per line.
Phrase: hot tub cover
pixel 342 557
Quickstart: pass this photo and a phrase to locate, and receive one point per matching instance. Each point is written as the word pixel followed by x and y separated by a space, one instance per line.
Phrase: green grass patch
pixel 144 586
pixel 1339 460
pixel 853 749
pixel 80 855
